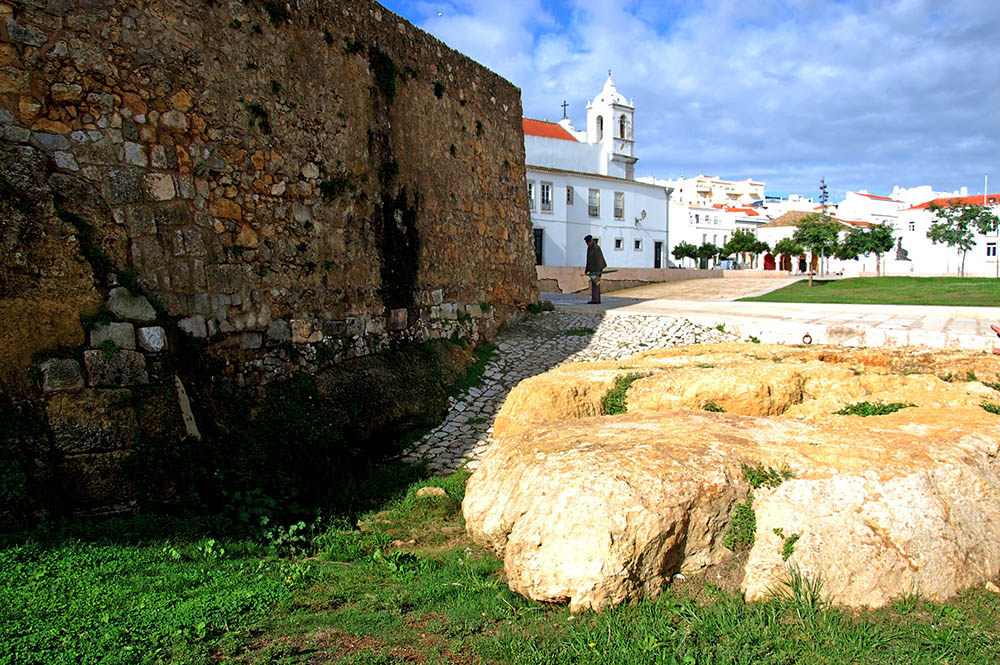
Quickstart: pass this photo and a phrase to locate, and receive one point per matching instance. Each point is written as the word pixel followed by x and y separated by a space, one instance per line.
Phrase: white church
pixel 583 183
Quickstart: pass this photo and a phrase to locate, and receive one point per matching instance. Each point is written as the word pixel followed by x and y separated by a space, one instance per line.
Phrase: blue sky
pixel 866 93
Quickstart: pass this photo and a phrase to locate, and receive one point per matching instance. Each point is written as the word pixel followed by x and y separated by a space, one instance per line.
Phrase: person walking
pixel 595 267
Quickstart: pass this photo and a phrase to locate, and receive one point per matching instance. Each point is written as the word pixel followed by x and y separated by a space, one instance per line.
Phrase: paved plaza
pixel 624 324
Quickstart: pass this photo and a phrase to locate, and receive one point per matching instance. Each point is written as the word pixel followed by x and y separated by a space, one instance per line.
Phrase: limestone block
pixel 152 339
pixel 449 311
pixel 160 186
pixel 194 326
pixel 91 420
pixel 135 154
pixel 278 332
pixel 123 185
pixel 65 160
pixel 437 296
pixel 355 327
pixel 122 334
pixel 303 332
pixel 60 374
pixel 175 120
pixel 16 134
pixel 310 171
pixel 51 142
pixel 121 368
pixel 474 310
pixel 124 305
pixel 398 319
pixel 334 329
pixel 600 510
pixel 25 34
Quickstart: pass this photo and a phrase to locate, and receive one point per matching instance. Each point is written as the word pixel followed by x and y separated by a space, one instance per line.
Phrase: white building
pixel 926 258
pixel 582 183
pixel 705 209
pixel 704 190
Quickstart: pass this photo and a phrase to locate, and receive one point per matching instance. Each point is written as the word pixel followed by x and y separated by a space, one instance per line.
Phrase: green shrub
pixel 758 476
pixel 713 407
pixel 865 409
pixel 740 533
pixel 614 401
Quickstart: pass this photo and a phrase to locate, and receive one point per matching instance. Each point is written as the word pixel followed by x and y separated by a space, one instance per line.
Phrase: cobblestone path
pixel 536 345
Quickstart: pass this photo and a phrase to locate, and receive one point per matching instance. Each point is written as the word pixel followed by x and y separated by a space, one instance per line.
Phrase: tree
pixel 957 226
pixel 818 233
pixel 742 243
pixel 707 251
pixel 880 239
pixel 685 250
pixel 875 240
pixel 787 246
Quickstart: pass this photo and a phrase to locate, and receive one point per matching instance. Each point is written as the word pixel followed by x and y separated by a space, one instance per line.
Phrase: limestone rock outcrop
pixel 596 510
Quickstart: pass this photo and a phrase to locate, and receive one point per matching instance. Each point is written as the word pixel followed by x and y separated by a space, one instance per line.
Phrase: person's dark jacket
pixel 595 259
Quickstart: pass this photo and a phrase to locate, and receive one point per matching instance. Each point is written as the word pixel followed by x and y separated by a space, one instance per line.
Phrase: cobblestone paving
pixel 532 347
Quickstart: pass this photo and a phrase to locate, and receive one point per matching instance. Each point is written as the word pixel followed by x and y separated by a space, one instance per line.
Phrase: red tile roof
pixel 549 130
pixel 877 197
pixel 975 199
pixel 750 212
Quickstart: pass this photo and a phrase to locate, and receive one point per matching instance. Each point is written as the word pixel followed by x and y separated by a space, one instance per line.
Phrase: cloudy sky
pixel 866 93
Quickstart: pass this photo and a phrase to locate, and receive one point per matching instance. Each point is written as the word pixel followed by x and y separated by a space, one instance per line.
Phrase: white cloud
pixel 868 93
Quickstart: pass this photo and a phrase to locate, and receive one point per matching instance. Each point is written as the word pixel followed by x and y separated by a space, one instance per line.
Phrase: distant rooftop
pixel 975 199
pixel 545 129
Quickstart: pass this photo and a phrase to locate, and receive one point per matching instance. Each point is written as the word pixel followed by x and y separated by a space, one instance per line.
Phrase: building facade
pixel 583 183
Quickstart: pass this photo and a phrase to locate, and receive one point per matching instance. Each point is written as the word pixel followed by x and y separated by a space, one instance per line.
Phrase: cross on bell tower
pixel 564 107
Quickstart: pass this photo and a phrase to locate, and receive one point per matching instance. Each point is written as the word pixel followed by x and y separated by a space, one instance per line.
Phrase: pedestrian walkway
pixel 794 323
pixel 534 346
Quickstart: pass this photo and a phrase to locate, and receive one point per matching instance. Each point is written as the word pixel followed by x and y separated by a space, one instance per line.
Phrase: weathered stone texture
pixel 305 168
pixel 596 511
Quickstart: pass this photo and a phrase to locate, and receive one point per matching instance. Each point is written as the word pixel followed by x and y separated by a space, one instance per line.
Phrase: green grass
pixel 159 590
pixel 615 402
pixel 967 291
pixel 865 409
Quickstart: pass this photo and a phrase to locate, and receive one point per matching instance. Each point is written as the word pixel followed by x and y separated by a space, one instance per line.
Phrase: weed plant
pixel 712 407
pixel 866 409
pixel 615 401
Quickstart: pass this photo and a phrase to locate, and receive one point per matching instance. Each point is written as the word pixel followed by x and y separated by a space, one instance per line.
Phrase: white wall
pixel 566 225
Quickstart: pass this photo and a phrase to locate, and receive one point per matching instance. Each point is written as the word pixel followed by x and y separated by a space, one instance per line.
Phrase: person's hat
pixel 588 238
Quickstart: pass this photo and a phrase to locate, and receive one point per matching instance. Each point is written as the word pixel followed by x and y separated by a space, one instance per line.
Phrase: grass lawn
pixel 967 291
pixel 406 585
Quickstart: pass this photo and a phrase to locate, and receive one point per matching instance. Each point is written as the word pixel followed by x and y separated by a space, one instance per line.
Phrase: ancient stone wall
pixel 292 184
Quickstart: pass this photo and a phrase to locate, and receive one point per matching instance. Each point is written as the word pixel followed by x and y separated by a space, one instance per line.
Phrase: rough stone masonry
pixel 291 182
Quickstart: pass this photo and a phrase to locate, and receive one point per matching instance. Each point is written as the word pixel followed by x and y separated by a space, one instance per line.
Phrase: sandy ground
pixel 705 289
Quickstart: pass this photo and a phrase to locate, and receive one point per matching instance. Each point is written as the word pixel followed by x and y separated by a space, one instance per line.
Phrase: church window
pixel 619 205
pixel 637 244
pixel 546 192
pixel 594 203
pixel 531 195
pixel 569 196
pixel 621 127
pixel 600 128
pixel 912 226
pixel 619 243
pixel 991 249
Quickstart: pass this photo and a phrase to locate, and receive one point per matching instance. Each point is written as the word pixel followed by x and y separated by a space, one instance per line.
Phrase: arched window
pixel 621 127
pixel 600 128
